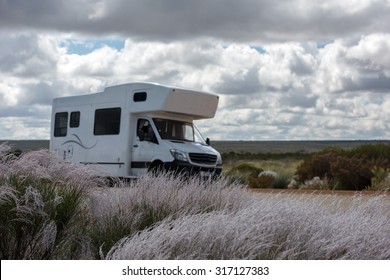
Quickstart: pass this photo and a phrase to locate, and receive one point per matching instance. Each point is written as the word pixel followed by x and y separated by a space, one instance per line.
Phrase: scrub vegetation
pixel 365 167
pixel 50 209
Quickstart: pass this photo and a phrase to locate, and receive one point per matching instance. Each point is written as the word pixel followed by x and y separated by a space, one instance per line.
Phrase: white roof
pixel 160 98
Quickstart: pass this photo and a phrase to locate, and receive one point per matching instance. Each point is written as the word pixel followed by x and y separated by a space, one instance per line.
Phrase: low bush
pixel 269 181
pixel 255 177
pixel 318 164
pixel 265 180
pixel 242 173
pixel 371 151
pixel 245 168
pixel 349 170
pixel 380 180
pixel 281 181
pixel 318 184
pixel 351 173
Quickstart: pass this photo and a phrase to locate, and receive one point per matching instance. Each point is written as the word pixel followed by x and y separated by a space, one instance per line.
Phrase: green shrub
pixel 318 164
pixel 281 182
pixel 238 178
pixel 351 173
pixel 351 170
pixel 245 168
pixel 264 182
pixel 242 172
pixel 371 151
pixel 381 179
pixel 270 179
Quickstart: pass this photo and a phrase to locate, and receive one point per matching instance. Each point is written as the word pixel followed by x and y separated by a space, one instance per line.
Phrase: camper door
pixel 145 147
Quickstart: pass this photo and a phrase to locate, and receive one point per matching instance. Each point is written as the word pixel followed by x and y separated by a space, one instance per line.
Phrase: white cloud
pixel 285 70
pixel 285 65
pixel 372 53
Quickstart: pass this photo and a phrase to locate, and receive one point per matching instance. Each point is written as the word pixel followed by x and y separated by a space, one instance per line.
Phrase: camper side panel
pixel 94 134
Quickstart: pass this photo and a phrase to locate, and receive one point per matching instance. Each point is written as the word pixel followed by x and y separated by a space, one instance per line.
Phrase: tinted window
pixel 145 131
pixel 61 124
pixel 74 119
pixel 139 96
pixel 107 121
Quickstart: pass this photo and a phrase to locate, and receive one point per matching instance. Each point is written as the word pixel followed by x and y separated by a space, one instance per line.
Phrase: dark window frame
pixel 140 96
pixel 61 124
pixel 74 119
pixel 107 121
pixel 145 131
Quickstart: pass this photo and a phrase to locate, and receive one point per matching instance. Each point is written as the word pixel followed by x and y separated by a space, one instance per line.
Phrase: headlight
pixel 179 155
pixel 219 160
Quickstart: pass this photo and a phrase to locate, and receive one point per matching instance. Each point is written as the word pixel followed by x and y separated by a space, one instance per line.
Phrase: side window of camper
pixel 74 119
pixel 61 124
pixel 145 131
pixel 107 121
pixel 140 96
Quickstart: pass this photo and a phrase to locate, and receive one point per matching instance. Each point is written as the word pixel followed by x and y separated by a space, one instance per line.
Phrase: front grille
pixel 203 158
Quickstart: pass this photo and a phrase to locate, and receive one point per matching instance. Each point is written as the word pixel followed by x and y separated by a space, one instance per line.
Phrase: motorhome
pixel 130 129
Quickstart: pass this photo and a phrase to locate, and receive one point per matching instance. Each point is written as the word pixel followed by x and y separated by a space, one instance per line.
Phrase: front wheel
pixel 156 168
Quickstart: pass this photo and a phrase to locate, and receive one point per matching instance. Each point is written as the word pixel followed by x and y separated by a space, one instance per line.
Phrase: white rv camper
pixel 128 130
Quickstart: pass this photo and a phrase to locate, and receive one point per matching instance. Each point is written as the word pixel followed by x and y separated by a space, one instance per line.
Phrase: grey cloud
pixel 26 111
pixel 235 20
pixel 301 67
pixel 38 93
pixel 245 20
pixel 22 56
pixel 239 85
pixel 298 98
pixel 45 14
pixel 372 83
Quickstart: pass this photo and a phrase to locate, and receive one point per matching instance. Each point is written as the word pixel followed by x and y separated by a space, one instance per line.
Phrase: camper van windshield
pixel 177 130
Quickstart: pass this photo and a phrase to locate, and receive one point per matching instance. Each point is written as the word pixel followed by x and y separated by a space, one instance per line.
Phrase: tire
pixel 156 168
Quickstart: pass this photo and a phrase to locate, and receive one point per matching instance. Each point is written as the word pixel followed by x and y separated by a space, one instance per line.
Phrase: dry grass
pixel 273 226
pixel 170 218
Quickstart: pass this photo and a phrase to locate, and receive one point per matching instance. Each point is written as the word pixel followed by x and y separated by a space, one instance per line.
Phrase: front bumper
pixel 185 167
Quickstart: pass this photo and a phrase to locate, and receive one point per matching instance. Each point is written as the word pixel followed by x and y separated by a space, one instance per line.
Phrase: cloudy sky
pixel 284 69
